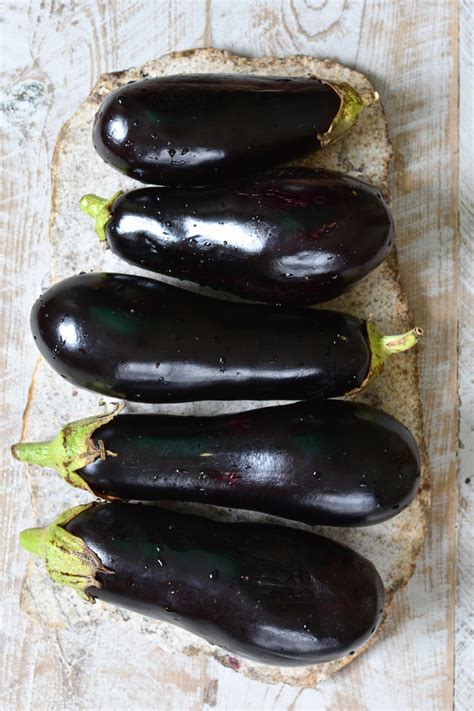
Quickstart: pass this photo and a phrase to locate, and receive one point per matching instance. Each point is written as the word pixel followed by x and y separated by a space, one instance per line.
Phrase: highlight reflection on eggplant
pixel 139 339
pixel 324 462
pixel 275 594
pixel 208 128
pixel 293 236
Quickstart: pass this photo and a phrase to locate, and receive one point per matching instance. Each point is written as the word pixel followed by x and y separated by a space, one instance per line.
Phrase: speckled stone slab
pixel 365 152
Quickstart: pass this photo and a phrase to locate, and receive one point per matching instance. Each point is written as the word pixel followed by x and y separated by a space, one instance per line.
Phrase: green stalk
pixel 398 344
pixel 352 104
pixel 100 209
pixel 70 450
pixel 382 347
pixel 68 559
pixel 33 541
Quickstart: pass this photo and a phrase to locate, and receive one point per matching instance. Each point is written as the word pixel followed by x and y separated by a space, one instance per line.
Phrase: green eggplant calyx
pixel 381 347
pixel 100 209
pixel 68 559
pixel 70 450
pixel 351 106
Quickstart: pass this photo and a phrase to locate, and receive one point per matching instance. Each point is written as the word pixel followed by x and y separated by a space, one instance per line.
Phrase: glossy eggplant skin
pixel 139 339
pixel 295 236
pixel 203 129
pixel 325 462
pixel 278 595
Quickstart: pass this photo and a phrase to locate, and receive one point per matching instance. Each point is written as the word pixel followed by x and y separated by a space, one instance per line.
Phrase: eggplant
pixel 294 236
pixel 325 462
pixel 274 594
pixel 201 129
pixel 138 339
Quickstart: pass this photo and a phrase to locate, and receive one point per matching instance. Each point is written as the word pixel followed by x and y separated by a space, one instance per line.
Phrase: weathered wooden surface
pixel 464 650
pixel 52 54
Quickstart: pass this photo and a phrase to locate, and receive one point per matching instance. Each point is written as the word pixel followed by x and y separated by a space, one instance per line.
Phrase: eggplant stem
pixel 382 347
pixel 40 453
pixel 68 559
pixel 369 97
pixel 352 103
pixel 400 343
pixel 33 541
pixel 92 204
pixel 71 449
pixel 100 209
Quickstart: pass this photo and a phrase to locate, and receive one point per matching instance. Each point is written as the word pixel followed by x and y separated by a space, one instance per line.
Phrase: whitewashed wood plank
pixel 26 105
pixel 464 671
pixel 280 28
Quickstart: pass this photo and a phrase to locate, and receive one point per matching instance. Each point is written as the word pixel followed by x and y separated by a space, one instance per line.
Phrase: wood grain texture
pixel 53 53
pixel 464 649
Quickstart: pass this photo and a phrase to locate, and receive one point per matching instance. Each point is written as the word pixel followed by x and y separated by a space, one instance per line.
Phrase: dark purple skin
pixel 139 339
pixel 278 595
pixel 295 236
pixel 203 129
pixel 325 462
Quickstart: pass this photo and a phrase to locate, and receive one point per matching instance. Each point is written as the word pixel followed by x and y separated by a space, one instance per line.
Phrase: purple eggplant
pixel 294 236
pixel 139 339
pixel 277 595
pixel 324 462
pixel 201 129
